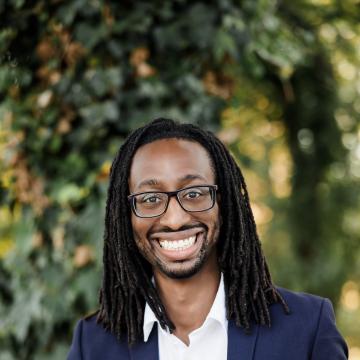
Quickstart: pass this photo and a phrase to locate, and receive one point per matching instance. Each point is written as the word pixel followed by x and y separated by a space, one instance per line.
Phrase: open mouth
pixel 173 244
pixel 178 245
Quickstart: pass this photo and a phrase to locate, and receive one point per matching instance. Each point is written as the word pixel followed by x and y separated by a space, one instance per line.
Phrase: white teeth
pixel 178 244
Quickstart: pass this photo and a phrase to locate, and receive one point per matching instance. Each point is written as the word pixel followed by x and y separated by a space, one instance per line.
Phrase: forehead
pixel 170 161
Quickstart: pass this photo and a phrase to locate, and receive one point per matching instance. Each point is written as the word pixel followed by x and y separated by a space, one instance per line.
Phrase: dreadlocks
pixel 127 285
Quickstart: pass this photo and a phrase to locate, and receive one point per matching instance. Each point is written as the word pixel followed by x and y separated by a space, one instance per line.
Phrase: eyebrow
pixel 155 182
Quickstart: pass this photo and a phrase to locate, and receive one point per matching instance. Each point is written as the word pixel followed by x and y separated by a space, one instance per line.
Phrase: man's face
pixel 169 165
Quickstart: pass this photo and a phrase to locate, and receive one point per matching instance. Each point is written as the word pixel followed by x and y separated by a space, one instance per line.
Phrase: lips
pixel 176 235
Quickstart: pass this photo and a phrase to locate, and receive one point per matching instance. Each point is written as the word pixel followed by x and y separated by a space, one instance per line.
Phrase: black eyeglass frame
pixel 212 188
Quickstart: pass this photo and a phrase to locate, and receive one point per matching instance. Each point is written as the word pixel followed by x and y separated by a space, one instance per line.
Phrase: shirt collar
pixel 217 312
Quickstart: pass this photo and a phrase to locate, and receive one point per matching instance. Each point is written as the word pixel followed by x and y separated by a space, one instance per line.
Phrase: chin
pixel 181 274
pixel 186 272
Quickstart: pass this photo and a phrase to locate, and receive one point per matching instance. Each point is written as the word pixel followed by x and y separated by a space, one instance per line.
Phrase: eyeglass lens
pixel 191 199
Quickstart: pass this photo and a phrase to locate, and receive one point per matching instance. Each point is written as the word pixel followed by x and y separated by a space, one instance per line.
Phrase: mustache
pixel 167 229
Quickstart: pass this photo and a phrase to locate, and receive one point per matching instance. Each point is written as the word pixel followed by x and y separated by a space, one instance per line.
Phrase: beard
pixel 187 272
pixel 181 269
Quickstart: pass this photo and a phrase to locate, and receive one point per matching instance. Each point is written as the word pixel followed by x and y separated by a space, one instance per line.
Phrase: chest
pixel 208 342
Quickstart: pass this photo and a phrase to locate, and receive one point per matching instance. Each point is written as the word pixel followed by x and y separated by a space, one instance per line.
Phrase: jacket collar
pixel 240 345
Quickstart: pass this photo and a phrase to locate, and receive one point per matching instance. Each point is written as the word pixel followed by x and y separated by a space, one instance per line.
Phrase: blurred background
pixel 278 81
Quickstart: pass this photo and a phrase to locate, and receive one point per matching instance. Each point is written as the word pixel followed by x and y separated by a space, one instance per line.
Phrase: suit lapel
pixel 241 345
pixel 146 350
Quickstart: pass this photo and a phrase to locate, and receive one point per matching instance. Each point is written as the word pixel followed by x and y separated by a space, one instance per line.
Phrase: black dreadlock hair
pixel 127 285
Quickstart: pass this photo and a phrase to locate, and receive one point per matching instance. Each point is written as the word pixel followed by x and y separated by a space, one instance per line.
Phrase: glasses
pixel 155 203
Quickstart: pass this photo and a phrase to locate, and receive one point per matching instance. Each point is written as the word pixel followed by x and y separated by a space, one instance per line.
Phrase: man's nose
pixel 175 216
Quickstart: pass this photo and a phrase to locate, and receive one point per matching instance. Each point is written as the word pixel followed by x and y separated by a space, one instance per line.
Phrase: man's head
pixel 176 234
pixel 162 157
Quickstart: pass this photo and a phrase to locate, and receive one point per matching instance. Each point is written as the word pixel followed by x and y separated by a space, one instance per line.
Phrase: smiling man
pixel 184 274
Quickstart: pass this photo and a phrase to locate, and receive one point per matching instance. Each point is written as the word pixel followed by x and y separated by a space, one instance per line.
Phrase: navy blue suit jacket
pixel 309 332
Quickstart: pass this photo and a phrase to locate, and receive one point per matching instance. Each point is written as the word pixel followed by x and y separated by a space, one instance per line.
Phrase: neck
pixel 188 301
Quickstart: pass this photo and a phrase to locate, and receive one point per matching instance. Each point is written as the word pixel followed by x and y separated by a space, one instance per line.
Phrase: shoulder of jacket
pixel 300 298
pixel 301 304
pixel 98 342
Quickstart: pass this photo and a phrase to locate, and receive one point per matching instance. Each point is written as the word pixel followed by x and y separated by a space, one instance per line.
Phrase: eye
pixel 193 194
pixel 150 198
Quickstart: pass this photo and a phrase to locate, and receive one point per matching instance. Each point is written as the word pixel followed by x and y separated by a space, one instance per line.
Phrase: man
pixel 184 274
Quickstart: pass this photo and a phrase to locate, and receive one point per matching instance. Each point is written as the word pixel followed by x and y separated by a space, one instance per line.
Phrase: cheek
pixel 140 229
pixel 218 216
pixel 217 213
pixel 216 223
pixel 212 219
pixel 137 228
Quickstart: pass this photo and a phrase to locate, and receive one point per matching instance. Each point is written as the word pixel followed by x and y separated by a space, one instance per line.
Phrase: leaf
pixel 224 44
pixel 90 35
pixel 68 193
pixel 96 114
pixel 23 233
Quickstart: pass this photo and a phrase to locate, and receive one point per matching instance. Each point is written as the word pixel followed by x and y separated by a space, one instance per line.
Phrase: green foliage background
pixel 277 80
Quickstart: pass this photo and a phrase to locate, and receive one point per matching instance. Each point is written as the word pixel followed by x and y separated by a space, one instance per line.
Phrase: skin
pixel 188 280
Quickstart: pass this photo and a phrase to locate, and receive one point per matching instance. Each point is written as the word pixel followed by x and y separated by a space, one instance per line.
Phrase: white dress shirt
pixel 208 342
